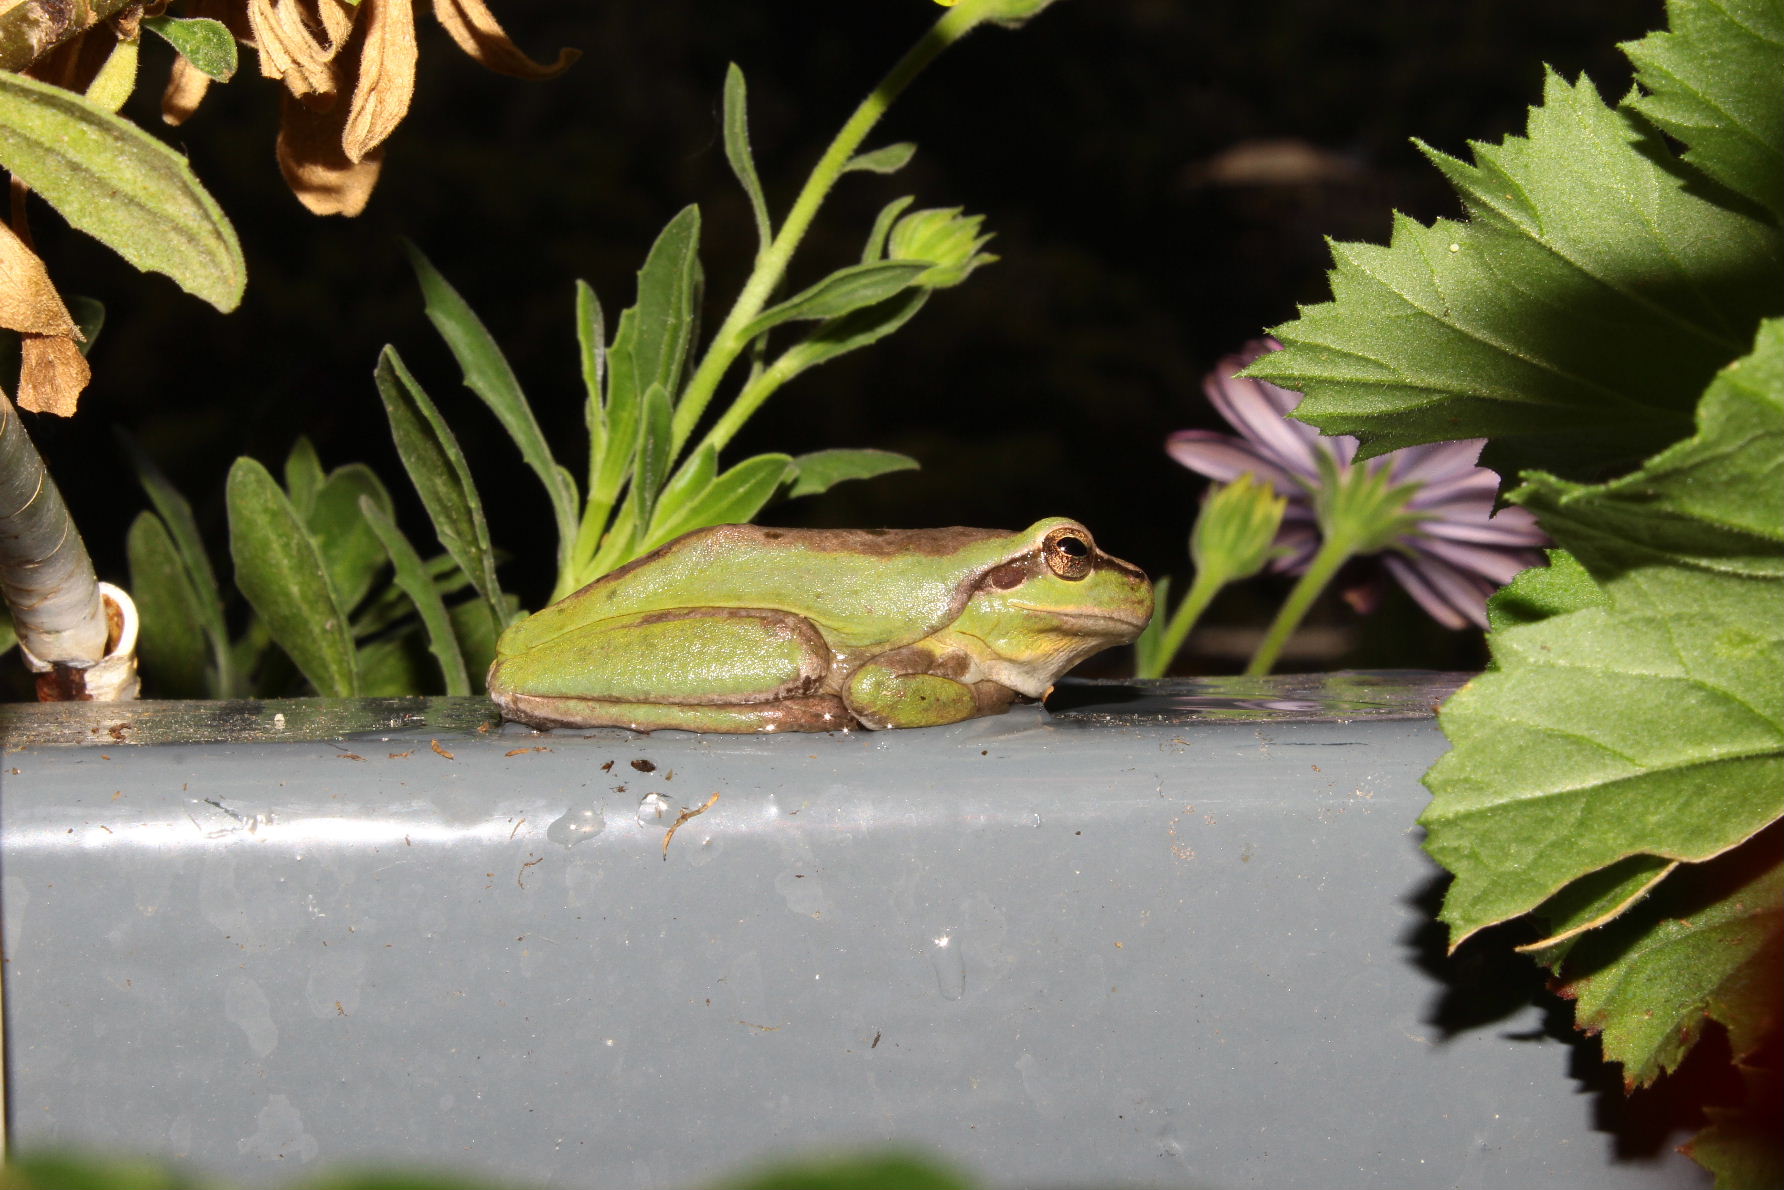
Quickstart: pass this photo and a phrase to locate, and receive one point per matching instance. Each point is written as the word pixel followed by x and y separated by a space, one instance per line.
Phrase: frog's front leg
pixel 922 685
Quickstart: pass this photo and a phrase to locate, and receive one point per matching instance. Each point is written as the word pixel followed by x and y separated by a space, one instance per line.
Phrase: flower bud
pixel 943 237
pixel 1236 529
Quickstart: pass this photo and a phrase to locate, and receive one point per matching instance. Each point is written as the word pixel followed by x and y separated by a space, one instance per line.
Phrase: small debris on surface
pixel 440 749
pixel 685 815
pixel 644 766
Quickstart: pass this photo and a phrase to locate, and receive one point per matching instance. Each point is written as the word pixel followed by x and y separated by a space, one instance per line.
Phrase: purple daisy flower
pixel 1449 550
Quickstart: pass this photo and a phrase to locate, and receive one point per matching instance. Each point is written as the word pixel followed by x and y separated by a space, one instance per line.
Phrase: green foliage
pixel 1607 318
pixel 205 43
pixel 121 186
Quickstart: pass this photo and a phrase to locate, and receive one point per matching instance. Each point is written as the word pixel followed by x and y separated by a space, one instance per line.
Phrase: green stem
pixel 771 266
pixel 1333 553
pixel 1201 593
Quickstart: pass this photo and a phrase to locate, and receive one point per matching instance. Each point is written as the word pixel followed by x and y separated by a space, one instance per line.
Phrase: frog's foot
pixel 913 687
pixel 819 712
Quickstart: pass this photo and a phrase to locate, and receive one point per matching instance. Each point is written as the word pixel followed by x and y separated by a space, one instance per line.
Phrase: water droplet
pixel 576 826
pixel 654 810
pixel 949 964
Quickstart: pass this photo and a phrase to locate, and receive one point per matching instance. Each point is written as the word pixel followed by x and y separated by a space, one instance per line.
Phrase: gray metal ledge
pixel 1128 942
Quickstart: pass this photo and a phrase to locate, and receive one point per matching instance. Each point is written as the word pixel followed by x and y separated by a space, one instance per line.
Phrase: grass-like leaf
pixel 121 186
pixel 821 470
pixel 304 476
pixel 436 467
pixel 415 582
pixel 737 152
pixel 486 373
pixel 1654 723
pixel 351 551
pixel 888 159
pixel 205 43
pixel 851 331
pixel 171 641
pixel 734 497
pixel 1725 103
pixel 279 569
pixel 843 291
pixel 882 228
pixel 1573 319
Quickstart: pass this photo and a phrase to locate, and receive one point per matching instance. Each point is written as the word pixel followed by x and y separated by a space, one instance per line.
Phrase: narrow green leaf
pixel 413 579
pixel 171 640
pixel 117 78
pixel 733 498
pixel 121 186
pixel 436 466
pixel 396 666
pixel 486 373
pixel 667 285
pixel 882 228
pixel 856 329
pixel 182 527
pixel 689 482
pixel 822 470
pixel 205 43
pixel 477 625
pixel 279 569
pixel 1713 81
pixel 653 451
pixel 1573 319
pixel 887 160
pixel 1151 640
pixel 303 476
pixel 840 293
pixel 388 604
pixel 591 345
pixel 737 152
pixel 351 551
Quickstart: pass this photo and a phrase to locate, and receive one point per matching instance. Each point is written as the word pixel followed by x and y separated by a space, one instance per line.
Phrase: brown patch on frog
pixel 1009 575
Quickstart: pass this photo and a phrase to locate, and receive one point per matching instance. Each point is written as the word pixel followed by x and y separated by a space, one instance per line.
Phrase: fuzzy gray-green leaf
pixel 205 43
pixel 121 186
pixel 412 577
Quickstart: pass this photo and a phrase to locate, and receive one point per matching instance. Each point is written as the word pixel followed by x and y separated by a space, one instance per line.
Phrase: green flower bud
pixel 944 238
pixel 1235 532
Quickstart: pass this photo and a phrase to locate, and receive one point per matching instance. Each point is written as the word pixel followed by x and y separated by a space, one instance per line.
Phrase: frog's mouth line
pixel 1084 618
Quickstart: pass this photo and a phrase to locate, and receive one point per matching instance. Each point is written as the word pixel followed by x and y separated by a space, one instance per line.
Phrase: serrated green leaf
pixel 205 43
pixel 415 582
pixel 1542 591
pixel 882 227
pixel 1594 900
pixel 1744 1145
pixel 171 639
pixel 856 329
pixel 821 470
pixel 351 551
pixel 737 152
pixel 1709 944
pixel 840 293
pixel 486 373
pixel 1713 81
pixel 304 476
pixel 1653 725
pixel 886 160
pixel 279 569
pixel 1573 319
pixel 431 456
pixel 121 186
pixel 733 498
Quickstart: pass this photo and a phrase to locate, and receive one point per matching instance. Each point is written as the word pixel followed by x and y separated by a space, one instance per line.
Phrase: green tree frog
pixel 740 628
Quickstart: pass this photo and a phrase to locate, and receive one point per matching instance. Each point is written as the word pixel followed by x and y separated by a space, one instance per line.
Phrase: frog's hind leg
pixel 818 712
pixel 697 669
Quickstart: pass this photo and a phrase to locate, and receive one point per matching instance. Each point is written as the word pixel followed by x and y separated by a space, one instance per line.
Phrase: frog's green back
pixel 857 586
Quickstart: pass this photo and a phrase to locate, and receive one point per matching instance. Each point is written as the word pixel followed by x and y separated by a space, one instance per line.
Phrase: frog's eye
pixel 1068 553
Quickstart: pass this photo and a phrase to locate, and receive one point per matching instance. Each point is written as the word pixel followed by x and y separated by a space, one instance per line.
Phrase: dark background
pixel 1092 140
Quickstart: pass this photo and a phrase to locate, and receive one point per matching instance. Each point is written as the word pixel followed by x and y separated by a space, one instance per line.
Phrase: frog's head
pixel 1051 604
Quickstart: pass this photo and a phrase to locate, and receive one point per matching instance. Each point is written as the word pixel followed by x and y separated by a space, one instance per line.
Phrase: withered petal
pixel 29 302
pixel 479 34
pixel 186 87
pixel 386 80
pixel 316 169
pixel 52 374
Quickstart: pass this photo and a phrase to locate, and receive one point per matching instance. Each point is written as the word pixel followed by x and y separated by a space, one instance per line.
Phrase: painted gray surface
pixel 1054 951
